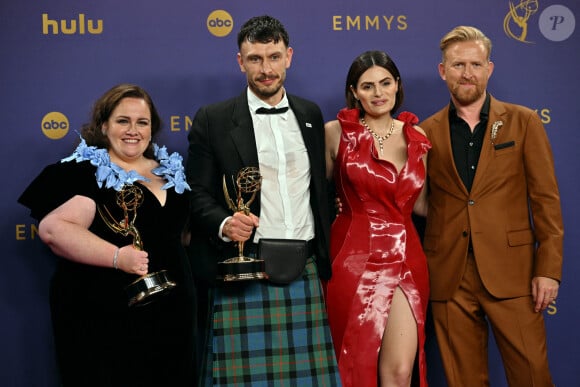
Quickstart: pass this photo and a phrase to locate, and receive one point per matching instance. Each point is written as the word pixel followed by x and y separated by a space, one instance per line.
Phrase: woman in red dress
pixel 377 296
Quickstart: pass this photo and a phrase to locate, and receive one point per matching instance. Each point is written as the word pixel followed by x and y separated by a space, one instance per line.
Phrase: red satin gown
pixel 375 248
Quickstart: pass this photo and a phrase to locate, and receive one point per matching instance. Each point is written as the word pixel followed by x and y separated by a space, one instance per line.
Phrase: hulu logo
pixel 71 27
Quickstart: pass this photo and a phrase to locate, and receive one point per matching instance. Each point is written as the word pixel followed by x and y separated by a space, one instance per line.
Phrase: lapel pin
pixel 494 129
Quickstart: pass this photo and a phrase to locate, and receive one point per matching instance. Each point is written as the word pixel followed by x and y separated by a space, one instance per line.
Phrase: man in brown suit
pixel 494 230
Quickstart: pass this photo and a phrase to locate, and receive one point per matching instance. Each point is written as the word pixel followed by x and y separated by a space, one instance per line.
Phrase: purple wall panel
pixel 168 49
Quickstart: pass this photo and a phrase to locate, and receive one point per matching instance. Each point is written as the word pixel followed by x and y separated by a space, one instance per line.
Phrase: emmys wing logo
pixel 556 22
pixel 55 125
pixel 220 23
pixel 515 23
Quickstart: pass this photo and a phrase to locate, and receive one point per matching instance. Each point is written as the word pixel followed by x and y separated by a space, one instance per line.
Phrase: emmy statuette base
pixel 148 288
pixel 241 269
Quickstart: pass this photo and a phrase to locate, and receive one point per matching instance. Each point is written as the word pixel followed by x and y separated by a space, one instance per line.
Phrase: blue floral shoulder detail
pixel 171 169
pixel 113 176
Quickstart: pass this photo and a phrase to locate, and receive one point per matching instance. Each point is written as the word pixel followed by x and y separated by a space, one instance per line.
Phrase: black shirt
pixel 466 145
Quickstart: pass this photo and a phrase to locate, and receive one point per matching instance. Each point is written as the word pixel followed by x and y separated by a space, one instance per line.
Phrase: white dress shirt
pixel 285 210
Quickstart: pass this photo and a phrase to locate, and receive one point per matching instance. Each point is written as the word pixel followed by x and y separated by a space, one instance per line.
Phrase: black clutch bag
pixel 284 259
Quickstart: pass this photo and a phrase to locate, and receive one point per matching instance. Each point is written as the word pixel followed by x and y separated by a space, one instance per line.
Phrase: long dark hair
pixel 361 64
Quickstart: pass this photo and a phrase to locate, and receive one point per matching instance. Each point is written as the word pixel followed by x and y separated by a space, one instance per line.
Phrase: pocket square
pixel 308 125
pixel 504 145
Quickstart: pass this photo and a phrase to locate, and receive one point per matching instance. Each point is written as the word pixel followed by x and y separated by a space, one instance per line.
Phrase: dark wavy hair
pixel 361 64
pixel 263 29
pixel 92 132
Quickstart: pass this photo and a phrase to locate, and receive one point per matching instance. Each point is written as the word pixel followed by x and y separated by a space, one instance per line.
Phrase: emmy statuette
pixel 240 268
pixel 146 288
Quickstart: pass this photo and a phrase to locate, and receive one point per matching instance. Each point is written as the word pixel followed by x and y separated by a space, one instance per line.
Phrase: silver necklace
pixel 380 139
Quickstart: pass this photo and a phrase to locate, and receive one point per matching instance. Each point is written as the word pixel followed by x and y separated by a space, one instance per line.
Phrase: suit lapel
pixel 442 142
pixel 486 157
pixel 242 133
pixel 244 138
pixel 308 135
pixel 305 126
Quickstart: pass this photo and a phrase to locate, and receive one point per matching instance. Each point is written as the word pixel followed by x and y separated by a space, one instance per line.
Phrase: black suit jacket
pixel 221 142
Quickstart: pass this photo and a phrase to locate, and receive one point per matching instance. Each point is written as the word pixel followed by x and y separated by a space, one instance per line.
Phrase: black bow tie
pixel 264 110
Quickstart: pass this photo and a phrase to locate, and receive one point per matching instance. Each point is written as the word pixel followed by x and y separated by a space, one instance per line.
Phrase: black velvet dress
pixel 100 340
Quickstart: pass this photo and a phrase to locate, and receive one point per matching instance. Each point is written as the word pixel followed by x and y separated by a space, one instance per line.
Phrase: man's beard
pixel 266 91
pixel 466 97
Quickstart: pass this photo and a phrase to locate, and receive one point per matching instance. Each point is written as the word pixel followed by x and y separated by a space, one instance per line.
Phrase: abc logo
pixel 55 125
pixel 220 23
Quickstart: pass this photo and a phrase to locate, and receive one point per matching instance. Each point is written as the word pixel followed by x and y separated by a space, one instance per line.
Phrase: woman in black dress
pixel 122 298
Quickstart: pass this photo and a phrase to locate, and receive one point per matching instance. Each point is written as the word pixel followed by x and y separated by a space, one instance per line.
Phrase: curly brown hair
pixel 103 108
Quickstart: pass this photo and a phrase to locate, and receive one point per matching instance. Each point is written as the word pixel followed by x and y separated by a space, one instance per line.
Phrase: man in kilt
pixel 260 331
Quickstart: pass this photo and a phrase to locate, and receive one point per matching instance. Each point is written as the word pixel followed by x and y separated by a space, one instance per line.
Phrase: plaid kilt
pixel 269 335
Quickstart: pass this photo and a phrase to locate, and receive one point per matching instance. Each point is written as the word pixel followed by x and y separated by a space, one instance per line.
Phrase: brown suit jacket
pixel 512 213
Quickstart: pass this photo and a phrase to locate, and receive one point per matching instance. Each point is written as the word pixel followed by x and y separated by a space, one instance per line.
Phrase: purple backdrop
pixel 58 58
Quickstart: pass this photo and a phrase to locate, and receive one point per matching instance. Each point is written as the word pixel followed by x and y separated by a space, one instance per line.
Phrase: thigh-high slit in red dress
pixel 375 248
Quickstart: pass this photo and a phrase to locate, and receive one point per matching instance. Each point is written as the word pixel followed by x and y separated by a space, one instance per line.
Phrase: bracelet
pixel 116 258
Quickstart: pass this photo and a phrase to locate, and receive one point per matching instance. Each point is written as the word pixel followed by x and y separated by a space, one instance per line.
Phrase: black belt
pixel 251 248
